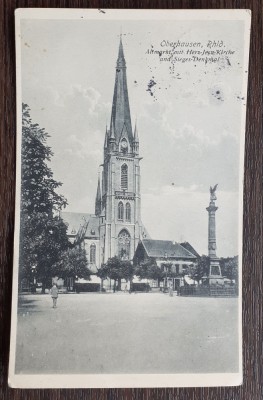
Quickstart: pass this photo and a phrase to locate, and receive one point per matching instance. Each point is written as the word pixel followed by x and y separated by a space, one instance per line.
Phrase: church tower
pixel 118 199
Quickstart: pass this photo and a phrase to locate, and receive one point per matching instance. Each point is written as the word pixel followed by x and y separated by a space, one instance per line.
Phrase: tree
pixel 200 269
pixel 149 269
pixel 72 263
pixel 42 233
pixel 116 269
pixel 113 268
pixel 229 268
pixel 103 273
pixel 126 270
pixel 37 185
pixel 42 239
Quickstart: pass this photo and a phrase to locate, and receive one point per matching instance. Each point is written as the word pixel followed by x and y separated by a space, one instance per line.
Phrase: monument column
pixel 212 227
pixel 215 276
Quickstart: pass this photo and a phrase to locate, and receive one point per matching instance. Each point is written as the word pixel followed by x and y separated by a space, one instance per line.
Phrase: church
pixel 116 228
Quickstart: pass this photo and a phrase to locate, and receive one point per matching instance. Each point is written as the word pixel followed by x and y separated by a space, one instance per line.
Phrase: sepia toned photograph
pixel 128 239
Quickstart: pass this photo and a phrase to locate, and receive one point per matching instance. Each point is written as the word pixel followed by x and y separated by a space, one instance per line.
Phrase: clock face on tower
pixel 124 146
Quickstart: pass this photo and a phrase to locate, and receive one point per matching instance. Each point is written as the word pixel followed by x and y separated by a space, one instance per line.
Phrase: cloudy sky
pixel 189 128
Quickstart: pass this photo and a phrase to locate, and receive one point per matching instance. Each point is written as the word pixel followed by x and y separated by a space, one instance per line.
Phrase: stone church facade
pixel 116 227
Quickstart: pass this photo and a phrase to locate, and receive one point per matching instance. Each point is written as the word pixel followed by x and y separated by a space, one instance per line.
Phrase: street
pixel 126 333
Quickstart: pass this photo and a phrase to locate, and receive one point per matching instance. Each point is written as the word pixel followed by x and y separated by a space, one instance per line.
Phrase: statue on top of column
pixel 213 193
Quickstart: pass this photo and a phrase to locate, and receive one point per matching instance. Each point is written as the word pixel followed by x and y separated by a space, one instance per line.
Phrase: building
pixel 115 228
pixel 84 228
pixel 173 258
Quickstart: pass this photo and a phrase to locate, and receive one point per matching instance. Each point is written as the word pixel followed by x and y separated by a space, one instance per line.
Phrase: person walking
pixel 54 295
pixel 171 290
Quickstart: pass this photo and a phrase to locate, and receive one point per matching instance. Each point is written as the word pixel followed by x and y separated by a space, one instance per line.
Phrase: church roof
pixel 120 114
pixel 145 233
pixel 166 248
pixel 74 220
pixel 190 248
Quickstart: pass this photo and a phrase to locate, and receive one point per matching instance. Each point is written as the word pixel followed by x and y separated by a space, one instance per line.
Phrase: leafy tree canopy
pixel 72 263
pixel 116 269
pixel 103 271
pixel 37 186
pixel 126 270
pixel 148 269
pixel 201 268
pixel 42 233
pixel 229 268
pixel 113 268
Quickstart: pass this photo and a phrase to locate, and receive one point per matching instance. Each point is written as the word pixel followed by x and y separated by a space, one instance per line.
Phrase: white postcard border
pixel 120 380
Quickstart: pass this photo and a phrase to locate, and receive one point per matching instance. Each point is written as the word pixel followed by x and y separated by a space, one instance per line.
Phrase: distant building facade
pixel 175 259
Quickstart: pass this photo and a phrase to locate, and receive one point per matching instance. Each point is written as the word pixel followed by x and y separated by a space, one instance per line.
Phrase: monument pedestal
pixel 214 277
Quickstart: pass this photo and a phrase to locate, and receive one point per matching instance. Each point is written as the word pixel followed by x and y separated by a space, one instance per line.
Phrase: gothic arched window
pixel 120 211
pixel 124 176
pixel 92 255
pixel 128 212
pixel 124 243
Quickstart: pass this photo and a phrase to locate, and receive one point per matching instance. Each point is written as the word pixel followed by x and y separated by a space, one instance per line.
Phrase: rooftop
pixel 166 248
pixel 75 220
pixel 190 248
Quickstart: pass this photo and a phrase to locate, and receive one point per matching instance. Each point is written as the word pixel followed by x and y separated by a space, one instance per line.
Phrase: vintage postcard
pixel 128 233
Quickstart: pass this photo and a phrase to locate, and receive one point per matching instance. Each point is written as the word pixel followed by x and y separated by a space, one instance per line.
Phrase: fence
pixel 208 291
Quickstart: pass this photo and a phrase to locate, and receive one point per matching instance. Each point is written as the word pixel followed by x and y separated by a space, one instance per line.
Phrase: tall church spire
pixel 136 140
pixel 120 114
pixel 98 200
pixel 121 60
pixel 106 138
pixel 119 201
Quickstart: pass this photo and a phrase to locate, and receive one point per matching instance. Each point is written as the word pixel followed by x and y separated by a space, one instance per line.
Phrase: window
pixel 185 268
pixel 128 212
pixel 93 253
pixel 124 176
pixel 120 211
pixel 124 242
pixel 177 268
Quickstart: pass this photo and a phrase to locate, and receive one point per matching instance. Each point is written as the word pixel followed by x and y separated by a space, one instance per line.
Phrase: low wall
pixel 208 291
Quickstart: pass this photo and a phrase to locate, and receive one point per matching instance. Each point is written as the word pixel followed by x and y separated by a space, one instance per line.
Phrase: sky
pixel 189 121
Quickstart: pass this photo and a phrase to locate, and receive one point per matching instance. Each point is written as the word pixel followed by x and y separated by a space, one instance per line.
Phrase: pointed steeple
pixel 112 134
pixel 136 137
pixel 121 60
pixel 106 138
pixel 120 114
pixel 136 140
pixel 112 140
pixel 98 199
